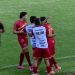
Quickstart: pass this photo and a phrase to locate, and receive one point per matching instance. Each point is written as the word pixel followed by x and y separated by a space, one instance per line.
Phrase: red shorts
pixel 51 43
pixel 23 42
pixel 41 53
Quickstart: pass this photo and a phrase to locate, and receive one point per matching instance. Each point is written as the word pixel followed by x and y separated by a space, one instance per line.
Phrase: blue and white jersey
pixel 29 30
pixel 40 36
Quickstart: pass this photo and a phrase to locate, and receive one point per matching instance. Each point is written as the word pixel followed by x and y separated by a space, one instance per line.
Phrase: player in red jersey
pixel 51 43
pixel 19 29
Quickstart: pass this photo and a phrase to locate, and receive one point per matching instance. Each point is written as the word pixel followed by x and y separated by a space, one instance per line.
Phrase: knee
pixel 25 50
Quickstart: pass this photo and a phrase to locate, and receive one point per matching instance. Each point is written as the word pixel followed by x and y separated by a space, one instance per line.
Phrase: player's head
pixel 32 19
pixel 42 18
pixel 23 15
pixel 37 22
pixel 1 28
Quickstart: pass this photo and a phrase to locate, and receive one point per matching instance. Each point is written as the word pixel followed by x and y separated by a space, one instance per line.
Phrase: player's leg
pixel 47 57
pixel 47 65
pixel 53 61
pixel 21 55
pixel 26 52
pixel 52 53
pixel 35 66
pixel 36 57
pixel 39 61
pixel 24 43
pixel 21 61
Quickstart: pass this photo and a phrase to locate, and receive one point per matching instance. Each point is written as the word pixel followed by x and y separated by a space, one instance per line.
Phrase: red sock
pixel 21 59
pixel 28 58
pixel 48 69
pixel 54 62
pixel 35 70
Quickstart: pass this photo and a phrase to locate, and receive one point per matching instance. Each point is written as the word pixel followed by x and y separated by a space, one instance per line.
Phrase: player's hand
pixel 21 31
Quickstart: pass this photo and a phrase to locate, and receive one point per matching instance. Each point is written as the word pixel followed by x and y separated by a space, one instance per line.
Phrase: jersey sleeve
pixel 48 26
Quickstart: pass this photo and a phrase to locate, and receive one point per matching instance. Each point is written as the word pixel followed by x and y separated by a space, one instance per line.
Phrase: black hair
pixel 32 19
pixel 23 14
pixel 1 26
pixel 42 18
pixel 37 21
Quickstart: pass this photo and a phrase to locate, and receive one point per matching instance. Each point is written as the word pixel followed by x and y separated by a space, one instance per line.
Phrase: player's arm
pixel 18 32
pixel 15 30
pixel 29 34
pixel 49 31
pixel 50 34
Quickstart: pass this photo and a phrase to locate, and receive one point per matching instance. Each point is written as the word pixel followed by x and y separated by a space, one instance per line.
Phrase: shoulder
pixel 16 23
pixel 48 25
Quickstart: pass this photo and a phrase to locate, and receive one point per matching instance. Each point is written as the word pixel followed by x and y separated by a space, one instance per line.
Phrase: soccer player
pixel 42 47
pixel 22 39
pixel 29 29
pixel 51 44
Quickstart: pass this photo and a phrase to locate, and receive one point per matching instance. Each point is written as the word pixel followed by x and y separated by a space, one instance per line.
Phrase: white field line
pixel 9 66
pixel 66 57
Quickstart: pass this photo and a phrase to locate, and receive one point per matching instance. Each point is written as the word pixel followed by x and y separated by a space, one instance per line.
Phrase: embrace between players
pixel 42 39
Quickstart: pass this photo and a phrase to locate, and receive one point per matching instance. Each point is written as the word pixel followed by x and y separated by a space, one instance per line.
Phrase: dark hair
pixel 37 21
pixel 42 18
pixel 1 26
pixel 32 19
pixel 23 14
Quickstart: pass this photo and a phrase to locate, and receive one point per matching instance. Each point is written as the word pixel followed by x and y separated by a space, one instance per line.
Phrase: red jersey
pixel 49 27
pixel 18 26
pixel 51 41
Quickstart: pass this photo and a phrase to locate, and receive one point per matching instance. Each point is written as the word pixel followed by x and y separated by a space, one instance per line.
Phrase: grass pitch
pixel 62 10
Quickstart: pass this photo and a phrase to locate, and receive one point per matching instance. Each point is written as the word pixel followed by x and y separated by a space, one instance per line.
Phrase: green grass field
pixel 62 10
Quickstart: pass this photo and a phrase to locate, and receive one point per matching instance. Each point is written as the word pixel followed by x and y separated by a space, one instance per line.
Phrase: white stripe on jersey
pixel 40 36
pixel 29 29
